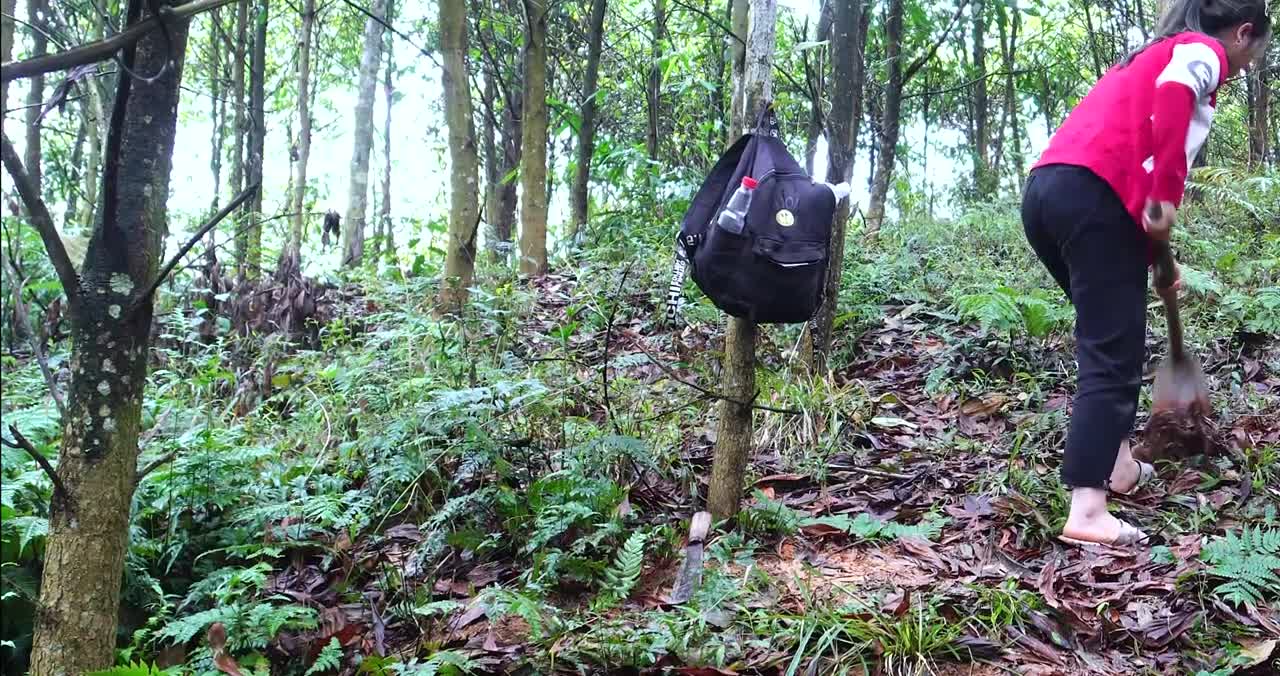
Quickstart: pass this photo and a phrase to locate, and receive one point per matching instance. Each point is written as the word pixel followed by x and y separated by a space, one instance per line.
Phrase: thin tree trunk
pixel 512 141
pixel 850 21
pixel 387 241
pixel 8 10
pixel 586 136
pixel 358 193
pixel 293 250
pixel 739 13
pixel 981 104
pixel 533 171
pixel 217 109
pixel 653 96
pixel 734 430
pixel 1012 101
pixel 890 119
pixel 816 75
pixel 464 181
pixel 718 61
pixel 250 259
pixel 76 622
pixel 94 112
pixel 238 119
pixel 1259 114
pixel 36 10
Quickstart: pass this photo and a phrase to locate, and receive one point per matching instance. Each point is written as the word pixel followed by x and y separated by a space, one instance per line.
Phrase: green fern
pixel 620 579
pixel 1249 562
pixel 996 310
pixel 329 659
pixel 132 669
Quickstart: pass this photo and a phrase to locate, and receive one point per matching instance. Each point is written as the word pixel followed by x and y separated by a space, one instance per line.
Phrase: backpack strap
pixel 767 121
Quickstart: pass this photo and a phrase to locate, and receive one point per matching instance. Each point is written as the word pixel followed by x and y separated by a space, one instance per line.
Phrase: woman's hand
pixel 1158 219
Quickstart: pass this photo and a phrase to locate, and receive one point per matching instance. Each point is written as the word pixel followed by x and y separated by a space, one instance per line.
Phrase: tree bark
pixel 464 181
pixel 358 193
pixel 217 109
pixel 850 21
pixel 581 195
pixel 533 171
pixel 816 77
pixel 739 14
pixel 36 10
pixel 734 429
pixel 250 258
pixel 387 241
pixel 8 9
pixel 111 319
pixel 982 174
pixel 238 128
pixel 293 249
pixel 1259 94
pixel 890 119
pixel 653 91
pixel 1013 102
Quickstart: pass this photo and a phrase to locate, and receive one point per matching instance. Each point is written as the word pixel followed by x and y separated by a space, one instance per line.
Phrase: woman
pixel 1126 147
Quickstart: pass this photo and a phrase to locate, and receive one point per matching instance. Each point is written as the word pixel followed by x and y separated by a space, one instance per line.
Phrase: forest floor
pixel 510 491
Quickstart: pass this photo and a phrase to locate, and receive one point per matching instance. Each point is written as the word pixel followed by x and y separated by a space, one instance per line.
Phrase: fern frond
pixel 329 659
pixel 1249 562
pixel 620 579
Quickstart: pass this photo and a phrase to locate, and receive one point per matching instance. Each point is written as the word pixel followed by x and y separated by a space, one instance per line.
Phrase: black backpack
pixel 775 271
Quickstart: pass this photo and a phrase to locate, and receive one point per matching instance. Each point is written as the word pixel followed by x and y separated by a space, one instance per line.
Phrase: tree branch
pixel 20 442
pixel 102 49
pixel 153 466
pixel 920 62
pixel 204 230
pixel 425 52
pixel 970 83
pixel 671 373
pixel 41 220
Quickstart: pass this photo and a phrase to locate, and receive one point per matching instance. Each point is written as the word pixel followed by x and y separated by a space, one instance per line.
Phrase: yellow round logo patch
pixel 786 219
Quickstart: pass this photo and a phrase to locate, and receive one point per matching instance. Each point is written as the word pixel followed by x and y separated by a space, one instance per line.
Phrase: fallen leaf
pixel 1257 651
pixel 888 422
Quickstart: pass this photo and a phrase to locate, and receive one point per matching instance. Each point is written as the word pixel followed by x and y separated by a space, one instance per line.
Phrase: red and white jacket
pixel 1142 124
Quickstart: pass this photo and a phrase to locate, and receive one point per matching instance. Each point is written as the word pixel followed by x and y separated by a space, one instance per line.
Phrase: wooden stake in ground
pixel 734 432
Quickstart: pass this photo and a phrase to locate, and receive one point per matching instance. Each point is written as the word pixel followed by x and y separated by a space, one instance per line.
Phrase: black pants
pixel 1082 233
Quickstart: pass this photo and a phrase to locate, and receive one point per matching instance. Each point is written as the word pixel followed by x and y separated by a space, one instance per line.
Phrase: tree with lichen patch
pixel 110 312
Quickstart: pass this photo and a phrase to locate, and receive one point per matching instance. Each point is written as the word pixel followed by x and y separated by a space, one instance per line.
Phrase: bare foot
pixel 1104 528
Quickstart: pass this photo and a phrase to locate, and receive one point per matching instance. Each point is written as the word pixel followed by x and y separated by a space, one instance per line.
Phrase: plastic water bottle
pixel 734 216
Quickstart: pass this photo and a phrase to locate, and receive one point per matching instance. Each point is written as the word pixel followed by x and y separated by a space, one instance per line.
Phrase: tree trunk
pixel 850 21
pixel 293 249
pixel 981 104
pixel 816 76
pixel 36 10
pixel 512 140
pixel 464 181
pixel 238 128
pixel 1012 101
pixel 739 13
pixel 533 169
pixel 734 430
pixel 8 10
pixel 890 119
pixel 653 96
pixel 250 258
pixel 1259 114
pixel 111 319
pixel 387 241
pixel 581 195
pixel 217 108
pixel 94 111
pixel 358 193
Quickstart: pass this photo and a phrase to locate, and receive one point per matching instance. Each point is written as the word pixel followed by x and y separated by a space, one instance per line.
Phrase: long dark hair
pixel 1209 17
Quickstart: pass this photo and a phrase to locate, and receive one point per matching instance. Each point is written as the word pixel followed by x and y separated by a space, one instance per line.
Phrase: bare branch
pixel 920 62
pixel 37 342
pixel 425 52
pixel 671 373
pixel 41 220
pixel 204 230
pixel 21 443
pixel 970 83
pixel 153 466
pixel 102 49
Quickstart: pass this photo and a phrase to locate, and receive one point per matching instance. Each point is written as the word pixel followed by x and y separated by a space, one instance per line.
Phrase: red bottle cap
pixel 749 183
